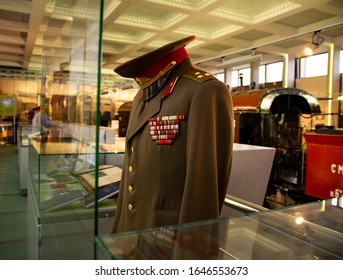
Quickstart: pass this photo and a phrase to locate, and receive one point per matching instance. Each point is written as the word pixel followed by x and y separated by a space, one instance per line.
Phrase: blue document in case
pixel 103 193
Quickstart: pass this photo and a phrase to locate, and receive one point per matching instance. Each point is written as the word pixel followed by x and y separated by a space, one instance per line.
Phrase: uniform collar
pixel 161 67
pixel 152 90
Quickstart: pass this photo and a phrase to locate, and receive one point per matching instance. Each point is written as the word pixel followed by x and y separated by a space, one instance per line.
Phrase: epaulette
pixel 198 75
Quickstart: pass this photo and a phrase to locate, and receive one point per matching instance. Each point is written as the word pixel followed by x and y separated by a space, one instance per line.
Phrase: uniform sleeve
pixel 210 135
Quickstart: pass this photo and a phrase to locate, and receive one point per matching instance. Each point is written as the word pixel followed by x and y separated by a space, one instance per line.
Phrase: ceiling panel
pixel 145 16
pixel 252 35
pixel 305 18
pixel 223 28
pixel 252 12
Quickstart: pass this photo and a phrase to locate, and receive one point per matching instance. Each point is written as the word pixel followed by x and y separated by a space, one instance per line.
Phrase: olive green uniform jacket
pixel 187 180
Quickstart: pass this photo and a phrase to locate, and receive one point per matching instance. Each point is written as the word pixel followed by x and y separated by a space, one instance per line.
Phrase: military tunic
pixel 178 153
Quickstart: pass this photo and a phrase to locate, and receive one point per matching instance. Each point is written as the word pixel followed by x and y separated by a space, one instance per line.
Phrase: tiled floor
pixel 13 207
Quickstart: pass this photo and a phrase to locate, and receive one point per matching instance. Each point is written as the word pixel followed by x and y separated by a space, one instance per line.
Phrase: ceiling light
pixel 62 17
pixel 310 49
pixel 317 40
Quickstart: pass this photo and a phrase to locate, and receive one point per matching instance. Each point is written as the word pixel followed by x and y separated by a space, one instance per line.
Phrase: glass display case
pixel 62 196
pixel 69 151
pixel 303 232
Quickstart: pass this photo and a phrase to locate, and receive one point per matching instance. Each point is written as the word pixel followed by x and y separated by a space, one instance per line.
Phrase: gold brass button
pixel 132 149
pixel 130 207
pixel 130 168
pixel 130 188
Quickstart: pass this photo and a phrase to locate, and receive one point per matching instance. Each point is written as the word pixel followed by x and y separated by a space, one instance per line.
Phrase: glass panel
pixel 302 232
pixel 262 74
pixel 245 75
pixel 220 76
pixel 64 140
pixel 313 66
pixel 235 80
pixel 274 72
pixel 241 76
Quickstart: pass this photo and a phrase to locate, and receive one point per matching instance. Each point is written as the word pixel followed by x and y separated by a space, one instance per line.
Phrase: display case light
pixel 317 40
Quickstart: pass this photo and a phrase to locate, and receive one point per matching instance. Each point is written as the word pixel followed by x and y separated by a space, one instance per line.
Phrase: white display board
pixel 251 168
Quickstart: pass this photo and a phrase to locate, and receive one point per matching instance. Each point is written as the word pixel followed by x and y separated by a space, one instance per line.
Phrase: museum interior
pixel 282 62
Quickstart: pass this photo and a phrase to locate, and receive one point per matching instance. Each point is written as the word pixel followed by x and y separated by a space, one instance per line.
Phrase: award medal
pixel 163 130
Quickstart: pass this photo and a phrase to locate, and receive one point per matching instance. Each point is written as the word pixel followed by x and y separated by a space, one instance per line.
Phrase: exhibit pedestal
pixel 251 168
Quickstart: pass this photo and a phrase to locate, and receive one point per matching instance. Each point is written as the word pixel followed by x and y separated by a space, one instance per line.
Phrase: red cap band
pixel 151 72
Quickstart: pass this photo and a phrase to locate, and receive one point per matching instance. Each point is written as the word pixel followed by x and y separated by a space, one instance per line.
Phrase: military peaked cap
pixel 135 67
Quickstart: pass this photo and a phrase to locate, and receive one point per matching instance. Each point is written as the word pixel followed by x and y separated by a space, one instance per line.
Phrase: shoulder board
pixel 198 75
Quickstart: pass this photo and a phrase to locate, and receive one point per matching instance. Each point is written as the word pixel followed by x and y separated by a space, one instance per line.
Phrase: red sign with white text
pixel 324 165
